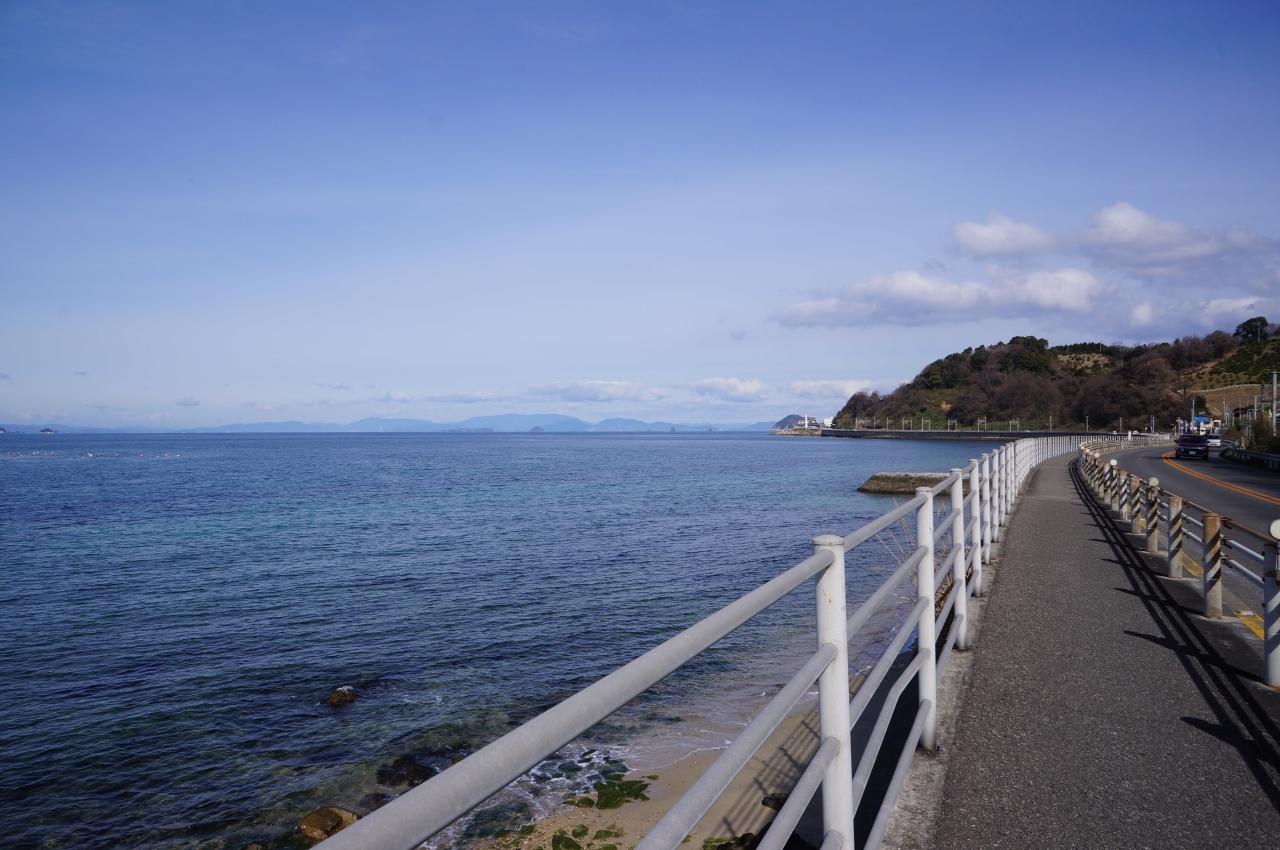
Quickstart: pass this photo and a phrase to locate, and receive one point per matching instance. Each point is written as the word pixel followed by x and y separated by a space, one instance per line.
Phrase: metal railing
pixel 1223 543
pixel 1266 460
pixel 967 528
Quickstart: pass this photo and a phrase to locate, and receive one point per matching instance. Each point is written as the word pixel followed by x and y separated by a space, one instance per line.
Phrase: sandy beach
pixel 738 813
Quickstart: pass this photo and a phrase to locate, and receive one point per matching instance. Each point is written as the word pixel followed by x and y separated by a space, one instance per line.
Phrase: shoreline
pixel 739 812
pixel 738 816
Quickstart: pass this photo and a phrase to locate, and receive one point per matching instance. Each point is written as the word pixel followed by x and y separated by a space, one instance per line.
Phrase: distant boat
pixel 49 431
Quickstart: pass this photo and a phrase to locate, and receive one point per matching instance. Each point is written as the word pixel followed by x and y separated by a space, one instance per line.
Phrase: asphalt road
pixel 1248 495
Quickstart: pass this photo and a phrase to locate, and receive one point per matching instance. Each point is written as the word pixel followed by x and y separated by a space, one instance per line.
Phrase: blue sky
pixel 219 212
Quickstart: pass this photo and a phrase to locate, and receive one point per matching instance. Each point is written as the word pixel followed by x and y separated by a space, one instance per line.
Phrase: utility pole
pixel 1086 423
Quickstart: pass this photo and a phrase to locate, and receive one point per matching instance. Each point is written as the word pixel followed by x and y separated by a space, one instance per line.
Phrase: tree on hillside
pixel 1253 330
pixel 1027 395
pixel 1027 354
pixel 1221 343
pixel 859 405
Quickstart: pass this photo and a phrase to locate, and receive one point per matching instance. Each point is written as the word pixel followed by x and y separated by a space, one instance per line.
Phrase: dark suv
pixel 1192 445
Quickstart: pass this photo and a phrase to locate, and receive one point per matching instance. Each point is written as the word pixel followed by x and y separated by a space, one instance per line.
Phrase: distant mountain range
pixel 505 423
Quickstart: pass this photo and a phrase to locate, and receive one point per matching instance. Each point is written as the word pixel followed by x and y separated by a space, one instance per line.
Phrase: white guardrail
pixel 967 527
pixel 1169 521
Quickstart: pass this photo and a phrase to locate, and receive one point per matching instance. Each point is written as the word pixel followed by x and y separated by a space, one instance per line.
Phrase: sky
pixel 216 212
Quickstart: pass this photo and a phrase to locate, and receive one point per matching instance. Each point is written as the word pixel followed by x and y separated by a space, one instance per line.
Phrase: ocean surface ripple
pixel 176 608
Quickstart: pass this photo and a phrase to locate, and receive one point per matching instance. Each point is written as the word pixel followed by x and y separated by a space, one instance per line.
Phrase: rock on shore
pixel 325 821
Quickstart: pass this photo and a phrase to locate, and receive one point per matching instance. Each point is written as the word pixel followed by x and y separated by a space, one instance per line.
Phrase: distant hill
pixel 507 423
pixel 1109 386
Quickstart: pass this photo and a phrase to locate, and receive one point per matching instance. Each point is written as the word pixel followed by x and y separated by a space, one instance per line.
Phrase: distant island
pixel 505 423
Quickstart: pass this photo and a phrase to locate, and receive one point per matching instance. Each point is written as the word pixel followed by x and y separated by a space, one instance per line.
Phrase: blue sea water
pixel 174 609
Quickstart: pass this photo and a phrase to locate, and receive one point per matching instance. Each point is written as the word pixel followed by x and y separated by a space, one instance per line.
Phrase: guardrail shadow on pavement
pixel 1203 647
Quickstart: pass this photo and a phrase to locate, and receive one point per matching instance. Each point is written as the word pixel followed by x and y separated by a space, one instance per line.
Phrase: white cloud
pixel 912 298
pixel 731 389
pixel 1132 241
pixel 826 390
pixel 1229 307
pixel 1126 233
pixel 1001 236
pixel 905 298
pixel 598 391
pixel 1073 290
pixel 1142 314
pixel 1164 316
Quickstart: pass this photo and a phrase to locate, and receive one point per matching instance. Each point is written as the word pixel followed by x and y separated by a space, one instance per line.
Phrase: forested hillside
pixel 1103 384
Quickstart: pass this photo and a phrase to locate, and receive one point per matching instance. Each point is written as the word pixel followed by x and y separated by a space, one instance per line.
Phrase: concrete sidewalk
pixel 1100 709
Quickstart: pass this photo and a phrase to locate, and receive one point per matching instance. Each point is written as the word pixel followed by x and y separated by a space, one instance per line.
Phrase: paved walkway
pixel 1102 710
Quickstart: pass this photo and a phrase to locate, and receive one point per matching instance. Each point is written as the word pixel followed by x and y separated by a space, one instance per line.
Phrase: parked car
pixel 1192 445
pixel 1215 441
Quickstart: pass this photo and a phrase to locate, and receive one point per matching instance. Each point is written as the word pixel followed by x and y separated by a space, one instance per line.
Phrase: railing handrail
pixel 994 480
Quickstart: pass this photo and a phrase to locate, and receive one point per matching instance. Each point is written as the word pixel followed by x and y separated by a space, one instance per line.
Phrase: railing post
pixel 975 536
pixel 1212 561
pixel 1015 482
pixel 1008 465
pixel 1006 486
pixel 927 639
pixel 986 508
pixel 833 692
pixel 958 568
pixel 1115 485
pixel 1271 610
pixel 1151 522
pixel 1173 536
pixel 1138 507
pixel 997 493
pixel 1126 497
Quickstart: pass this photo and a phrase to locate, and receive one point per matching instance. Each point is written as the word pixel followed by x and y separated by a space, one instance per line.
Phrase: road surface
pixel 1250 496
pixel 1247 494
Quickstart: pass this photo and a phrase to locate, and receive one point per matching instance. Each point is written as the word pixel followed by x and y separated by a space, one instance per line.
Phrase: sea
pixel 175 611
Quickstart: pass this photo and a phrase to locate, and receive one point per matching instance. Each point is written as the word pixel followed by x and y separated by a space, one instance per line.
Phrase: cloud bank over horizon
pixel 1146 277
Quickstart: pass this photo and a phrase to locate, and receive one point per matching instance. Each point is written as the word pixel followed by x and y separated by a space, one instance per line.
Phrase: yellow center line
pixel 1167 457
pixel 1253 621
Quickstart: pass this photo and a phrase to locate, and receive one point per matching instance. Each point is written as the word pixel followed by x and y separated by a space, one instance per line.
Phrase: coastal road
pixel 1248 495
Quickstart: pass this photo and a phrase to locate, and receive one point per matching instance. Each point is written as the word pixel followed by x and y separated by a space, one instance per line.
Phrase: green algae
pixel 561 841
pixel 612 793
